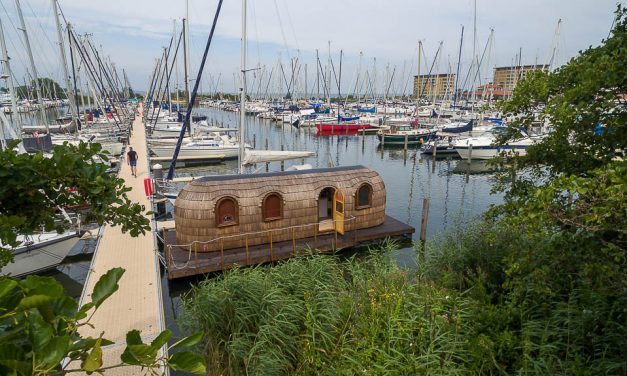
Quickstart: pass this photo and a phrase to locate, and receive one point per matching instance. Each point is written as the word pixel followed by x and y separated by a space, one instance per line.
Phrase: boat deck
pixel 138 302
pixel 184 262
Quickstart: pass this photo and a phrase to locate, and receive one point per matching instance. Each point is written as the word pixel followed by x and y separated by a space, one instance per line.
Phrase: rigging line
pixel 289 20
pixel 15 49
pixel 193 98
pixel 42 51
pixel 276 7
pixel 254 17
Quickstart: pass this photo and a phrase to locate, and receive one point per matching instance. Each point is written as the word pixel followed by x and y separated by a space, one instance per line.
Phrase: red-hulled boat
pixel 342 127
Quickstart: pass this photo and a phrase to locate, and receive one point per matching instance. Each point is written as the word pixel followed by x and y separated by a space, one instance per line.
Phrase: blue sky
pixel 133 32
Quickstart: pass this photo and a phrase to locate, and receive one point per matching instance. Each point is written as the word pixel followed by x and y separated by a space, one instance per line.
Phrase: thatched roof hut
pixel 222 212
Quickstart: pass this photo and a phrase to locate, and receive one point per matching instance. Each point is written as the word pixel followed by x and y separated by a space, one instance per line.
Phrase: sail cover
pixel 260 156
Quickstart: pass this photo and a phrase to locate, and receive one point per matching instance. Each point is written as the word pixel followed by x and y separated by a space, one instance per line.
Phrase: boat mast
pixel 66 78
pixel 186 50
pixel 242 100
pixel 418 89
pixel 474 49
pixel 459 57
pixel 11 84
pixel 32 64
pixel 318 77
pixel 554 46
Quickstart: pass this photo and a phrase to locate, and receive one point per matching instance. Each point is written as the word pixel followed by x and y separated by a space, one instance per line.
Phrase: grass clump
pixel 323 315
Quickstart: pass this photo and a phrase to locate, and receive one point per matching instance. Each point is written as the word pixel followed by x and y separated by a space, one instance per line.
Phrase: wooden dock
pixel 185 262
pixel 138 302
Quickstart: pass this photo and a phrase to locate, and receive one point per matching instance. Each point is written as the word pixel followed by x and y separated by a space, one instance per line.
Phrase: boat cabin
pixel 232 211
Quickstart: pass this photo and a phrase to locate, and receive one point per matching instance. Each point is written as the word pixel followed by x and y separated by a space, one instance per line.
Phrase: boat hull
pixel 489 152
pixel 341 127
pixel 40 257
pixel 399 139
pixel 197 152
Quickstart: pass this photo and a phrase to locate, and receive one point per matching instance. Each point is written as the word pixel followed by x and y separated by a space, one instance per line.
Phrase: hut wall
pixel 196 205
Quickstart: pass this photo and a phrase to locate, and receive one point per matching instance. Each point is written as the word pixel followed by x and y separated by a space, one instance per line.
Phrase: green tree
pixel 49 89
pixel 34 186
pixel 583 102
pixel 565 279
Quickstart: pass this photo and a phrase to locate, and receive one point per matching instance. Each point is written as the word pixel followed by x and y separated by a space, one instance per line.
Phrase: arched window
pixel 227 212
pixel 272 208
pixel 363 196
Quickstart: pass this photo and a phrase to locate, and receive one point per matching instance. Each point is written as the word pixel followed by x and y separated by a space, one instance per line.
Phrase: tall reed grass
pixel 464 310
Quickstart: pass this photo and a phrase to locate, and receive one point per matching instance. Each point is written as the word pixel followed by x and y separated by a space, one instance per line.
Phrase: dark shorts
pixel 133 163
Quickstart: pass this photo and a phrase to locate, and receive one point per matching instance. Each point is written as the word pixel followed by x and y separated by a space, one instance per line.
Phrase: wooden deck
pixel 185 263
pixel 138 302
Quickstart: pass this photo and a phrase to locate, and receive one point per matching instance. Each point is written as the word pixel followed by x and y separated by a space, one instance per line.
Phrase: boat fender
pixel 148 186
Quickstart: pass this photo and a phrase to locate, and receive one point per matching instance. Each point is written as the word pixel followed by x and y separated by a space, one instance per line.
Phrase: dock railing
pixel 269 233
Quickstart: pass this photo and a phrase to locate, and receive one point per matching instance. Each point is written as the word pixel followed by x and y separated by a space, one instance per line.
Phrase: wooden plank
pixel 138 302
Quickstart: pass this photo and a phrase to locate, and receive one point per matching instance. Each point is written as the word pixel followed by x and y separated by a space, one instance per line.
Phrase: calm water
pixel 409 177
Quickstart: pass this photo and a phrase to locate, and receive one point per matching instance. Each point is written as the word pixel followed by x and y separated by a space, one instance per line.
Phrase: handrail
pixel 352 218
pixel 193 246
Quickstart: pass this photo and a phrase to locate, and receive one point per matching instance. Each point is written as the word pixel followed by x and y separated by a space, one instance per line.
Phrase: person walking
pixel 131 159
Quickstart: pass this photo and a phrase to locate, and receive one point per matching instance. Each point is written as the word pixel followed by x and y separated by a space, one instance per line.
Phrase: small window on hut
pixel 363 198
pixel 272 207
pixel 226 212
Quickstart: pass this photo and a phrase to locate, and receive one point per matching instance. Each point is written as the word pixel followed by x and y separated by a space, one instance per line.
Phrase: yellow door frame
pixel 339 211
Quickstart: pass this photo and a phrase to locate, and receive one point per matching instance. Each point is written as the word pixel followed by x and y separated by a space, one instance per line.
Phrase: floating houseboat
pixel 222 221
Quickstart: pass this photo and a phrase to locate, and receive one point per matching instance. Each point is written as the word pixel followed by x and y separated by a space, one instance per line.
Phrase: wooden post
pixel 247 258
pixel 282 162
pixel 169 249
pixel 363 140
pixel 254 141
pixel 435 147
pixel 425 219
pixel 267 163
pixel 335 232
pixel 195 255
pixel 469 153
pixel 405 144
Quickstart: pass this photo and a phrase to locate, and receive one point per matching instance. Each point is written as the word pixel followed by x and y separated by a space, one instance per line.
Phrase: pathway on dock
pixel 138 302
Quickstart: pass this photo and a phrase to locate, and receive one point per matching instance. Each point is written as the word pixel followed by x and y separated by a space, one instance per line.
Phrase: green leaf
pixel 146 354
pixel 93 361
pixel 54 352
pixel 38 285
pixel 133 337
pixel 6 285
pixel 188 362
pixel 128 358
pixel 88 343
pixel 106 285
pixel 161 339
pixel 39 332
pixel 33 302
pixel 188 341
pixel 82 312
pixel 14 358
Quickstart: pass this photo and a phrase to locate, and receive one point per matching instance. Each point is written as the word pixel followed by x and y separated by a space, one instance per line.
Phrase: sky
pixel 378 40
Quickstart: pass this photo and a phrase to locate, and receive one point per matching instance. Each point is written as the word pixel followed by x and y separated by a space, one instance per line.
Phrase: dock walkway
pixel 138 302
